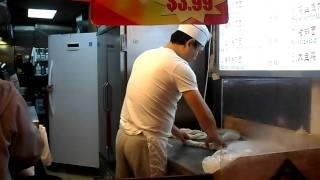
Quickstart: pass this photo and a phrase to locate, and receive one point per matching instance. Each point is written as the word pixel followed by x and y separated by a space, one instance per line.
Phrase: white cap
pixel 197 32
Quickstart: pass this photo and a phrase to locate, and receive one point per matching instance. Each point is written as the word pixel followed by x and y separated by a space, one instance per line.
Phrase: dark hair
pixel 181 38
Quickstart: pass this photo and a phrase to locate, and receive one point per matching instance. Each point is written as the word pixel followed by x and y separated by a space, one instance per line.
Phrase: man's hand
pixel 182 136
pixel 213 137
pixel 179 134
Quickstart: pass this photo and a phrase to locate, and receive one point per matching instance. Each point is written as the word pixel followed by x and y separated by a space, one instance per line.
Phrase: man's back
pixel 158 77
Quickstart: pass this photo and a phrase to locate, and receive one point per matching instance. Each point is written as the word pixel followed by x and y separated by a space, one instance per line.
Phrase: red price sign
pixel 153 12
pixel 194 5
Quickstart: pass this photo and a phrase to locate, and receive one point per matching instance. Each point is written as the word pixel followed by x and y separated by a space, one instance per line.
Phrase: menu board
pixel 271 35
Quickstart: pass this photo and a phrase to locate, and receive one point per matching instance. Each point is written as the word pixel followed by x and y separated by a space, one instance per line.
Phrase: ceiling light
pixel 41 13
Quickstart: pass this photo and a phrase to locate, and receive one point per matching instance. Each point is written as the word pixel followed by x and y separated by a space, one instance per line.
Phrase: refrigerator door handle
pixel 50 83
pixel 106 96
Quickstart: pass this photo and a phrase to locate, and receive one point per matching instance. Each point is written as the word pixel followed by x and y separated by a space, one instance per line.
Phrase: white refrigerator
pixel 73 104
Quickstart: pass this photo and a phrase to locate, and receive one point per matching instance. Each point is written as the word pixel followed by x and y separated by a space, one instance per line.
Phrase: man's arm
pixel 203 114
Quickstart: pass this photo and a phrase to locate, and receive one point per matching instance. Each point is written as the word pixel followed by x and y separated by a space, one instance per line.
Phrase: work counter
pixel 185 160
pixel 283 151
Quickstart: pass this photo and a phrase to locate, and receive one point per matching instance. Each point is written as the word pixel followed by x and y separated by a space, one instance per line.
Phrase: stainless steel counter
pixel 185 160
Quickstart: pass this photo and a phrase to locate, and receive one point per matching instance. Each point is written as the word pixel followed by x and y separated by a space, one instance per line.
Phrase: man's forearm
pixel 201 111
pixel 206 121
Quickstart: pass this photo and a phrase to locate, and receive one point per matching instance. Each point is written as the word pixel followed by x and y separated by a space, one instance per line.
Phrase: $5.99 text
pixel 195 5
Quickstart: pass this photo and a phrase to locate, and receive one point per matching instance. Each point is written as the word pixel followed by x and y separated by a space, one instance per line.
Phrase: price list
pixel 271 35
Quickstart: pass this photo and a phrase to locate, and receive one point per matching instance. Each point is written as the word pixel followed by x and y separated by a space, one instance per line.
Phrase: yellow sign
pixel 153 12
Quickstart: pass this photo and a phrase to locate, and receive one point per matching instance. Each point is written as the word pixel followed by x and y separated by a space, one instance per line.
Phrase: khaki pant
pixel 132 156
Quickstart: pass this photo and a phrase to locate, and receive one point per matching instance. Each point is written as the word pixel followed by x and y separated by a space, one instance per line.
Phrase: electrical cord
pixel 208 63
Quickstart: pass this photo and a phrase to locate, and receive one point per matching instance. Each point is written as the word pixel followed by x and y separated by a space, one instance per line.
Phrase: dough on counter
pixel 212 146
pixel 196 135
pixel 218 160
pixel 225 134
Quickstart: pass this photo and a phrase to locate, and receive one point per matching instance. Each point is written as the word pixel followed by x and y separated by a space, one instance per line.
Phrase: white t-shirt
pixel 158 78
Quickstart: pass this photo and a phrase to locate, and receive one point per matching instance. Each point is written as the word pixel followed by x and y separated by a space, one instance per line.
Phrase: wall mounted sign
pixel 156 12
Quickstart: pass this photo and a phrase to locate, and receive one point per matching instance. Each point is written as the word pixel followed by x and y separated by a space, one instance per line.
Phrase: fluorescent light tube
pixel 41 13
pixel 3 65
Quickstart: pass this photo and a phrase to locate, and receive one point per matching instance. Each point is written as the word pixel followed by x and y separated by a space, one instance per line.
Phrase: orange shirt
pixel 20 141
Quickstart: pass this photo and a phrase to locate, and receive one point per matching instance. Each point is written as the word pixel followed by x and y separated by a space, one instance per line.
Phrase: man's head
pixel 192 37
pixel 198 32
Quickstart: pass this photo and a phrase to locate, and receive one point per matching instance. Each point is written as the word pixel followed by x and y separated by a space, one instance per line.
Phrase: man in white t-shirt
pixel 158 79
